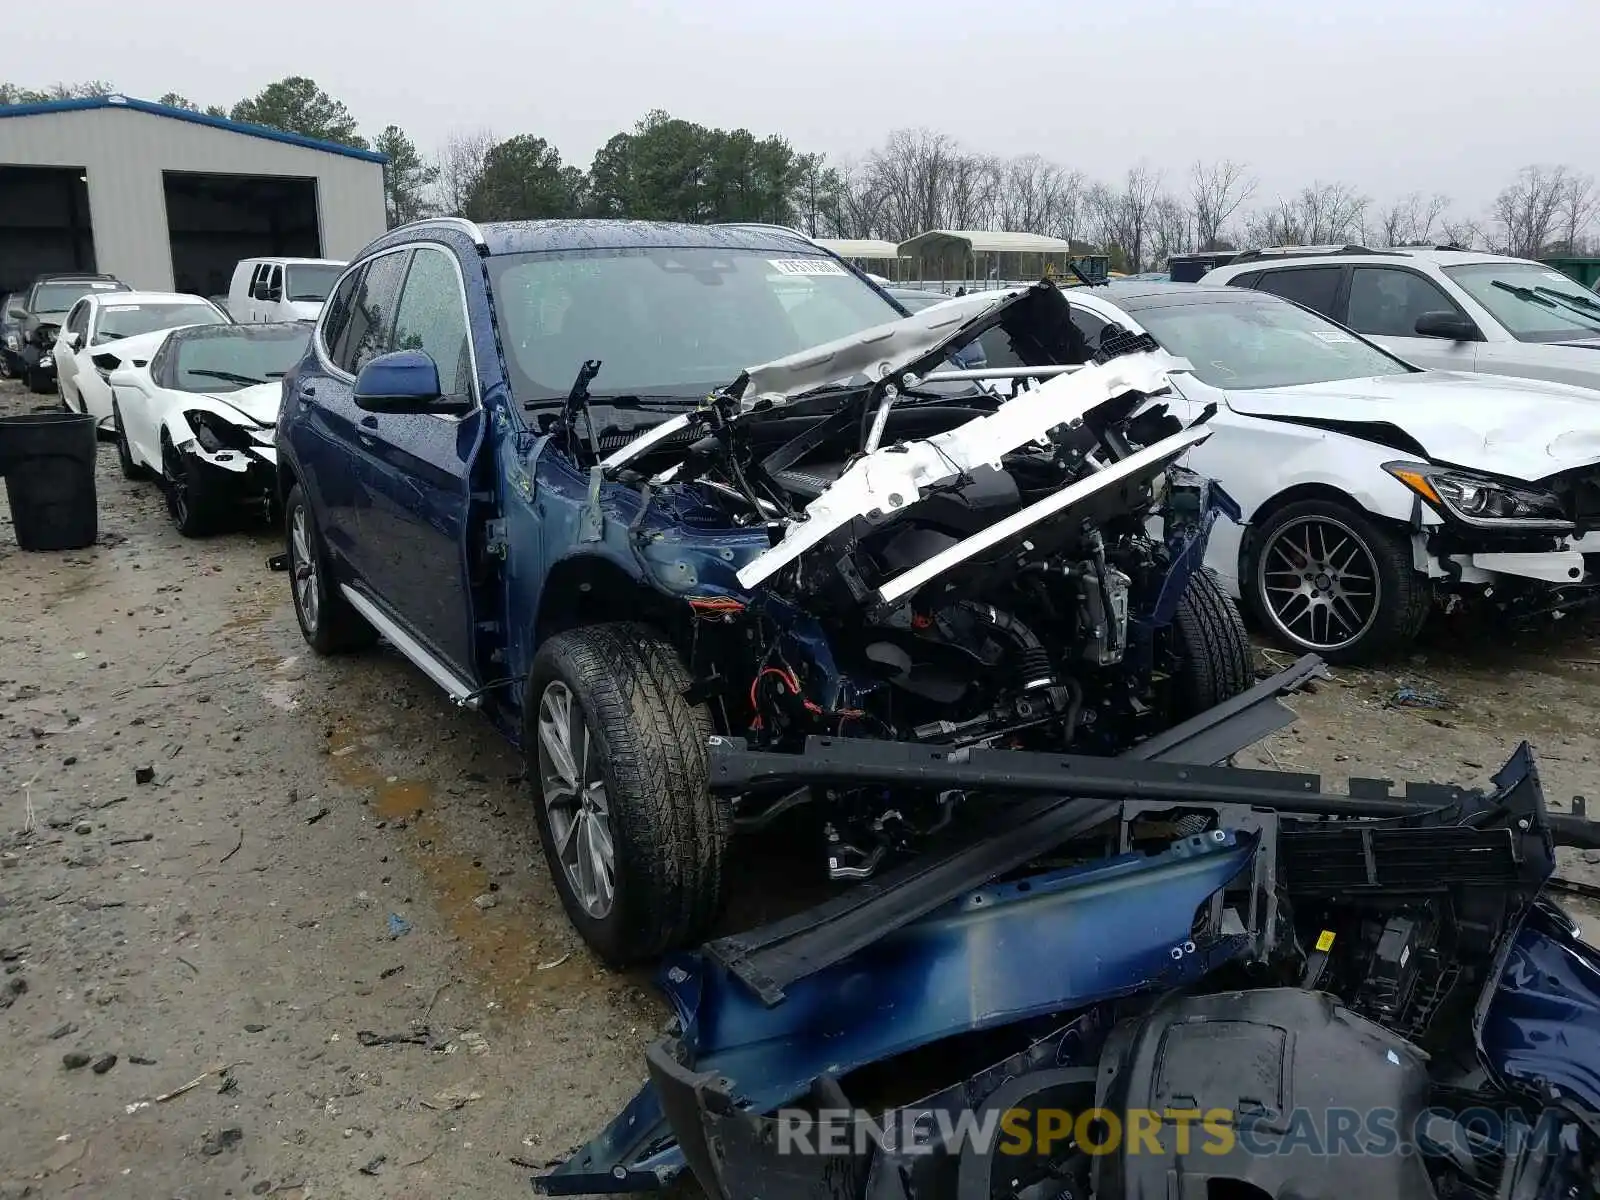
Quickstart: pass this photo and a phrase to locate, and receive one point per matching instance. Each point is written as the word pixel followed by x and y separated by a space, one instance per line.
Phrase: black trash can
pixel 48 460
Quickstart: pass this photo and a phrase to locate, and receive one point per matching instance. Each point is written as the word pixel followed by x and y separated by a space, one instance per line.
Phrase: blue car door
pixel 416 470
pixel 335 434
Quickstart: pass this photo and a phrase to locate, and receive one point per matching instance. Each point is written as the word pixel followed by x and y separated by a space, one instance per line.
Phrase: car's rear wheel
pixel 328 621
pixel 1326 578
pixel 130 469
pixel 617 770
pixel 1214 658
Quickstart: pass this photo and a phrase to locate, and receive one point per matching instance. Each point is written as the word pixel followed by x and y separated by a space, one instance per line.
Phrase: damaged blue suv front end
pixel 1309 996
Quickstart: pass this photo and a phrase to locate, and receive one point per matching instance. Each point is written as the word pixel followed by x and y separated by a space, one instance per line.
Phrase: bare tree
pixel 1217 191
pixel 1529 210
pixel 1410 220
pixel 1467 233
pixel 1030 194
pixel 1577 212
pixel 1172 228
pixel 460 164
pixel 1319 214
pixel 1122 218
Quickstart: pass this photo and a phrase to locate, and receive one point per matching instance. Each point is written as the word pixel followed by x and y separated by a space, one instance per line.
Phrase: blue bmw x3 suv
pixel 537 459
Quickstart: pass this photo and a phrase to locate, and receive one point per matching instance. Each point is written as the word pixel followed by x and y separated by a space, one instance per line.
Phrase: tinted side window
pixel 1089 327
pixel 1247 280
pixel 78 322
pixel 367 334
pixel 275 281
pixel 336 313
pixel 257 280
pixel 1383 300
pixel 431 317
pixel 1315 287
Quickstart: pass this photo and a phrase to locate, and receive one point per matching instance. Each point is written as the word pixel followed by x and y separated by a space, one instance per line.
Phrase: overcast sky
pixel 1389 95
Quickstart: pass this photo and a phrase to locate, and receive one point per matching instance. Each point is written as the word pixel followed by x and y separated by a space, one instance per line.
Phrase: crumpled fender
pixel 1540 1025
pixel 177 427
pixel 1092 933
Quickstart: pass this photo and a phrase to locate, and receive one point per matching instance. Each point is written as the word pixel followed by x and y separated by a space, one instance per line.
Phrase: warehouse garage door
pixel 44 224
pixel 215 220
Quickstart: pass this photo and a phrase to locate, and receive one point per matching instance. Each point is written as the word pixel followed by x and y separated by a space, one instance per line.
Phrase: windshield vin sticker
pixel 806 266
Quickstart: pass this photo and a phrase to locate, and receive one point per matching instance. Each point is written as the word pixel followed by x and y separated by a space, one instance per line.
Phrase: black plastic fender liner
pixel 1295 1084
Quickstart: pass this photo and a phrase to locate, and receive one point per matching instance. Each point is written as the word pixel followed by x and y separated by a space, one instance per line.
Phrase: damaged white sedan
pixel 199 415
pixel 1372 491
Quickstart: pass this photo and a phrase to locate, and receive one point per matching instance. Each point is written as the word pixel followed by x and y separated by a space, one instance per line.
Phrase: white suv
pixel 1439 307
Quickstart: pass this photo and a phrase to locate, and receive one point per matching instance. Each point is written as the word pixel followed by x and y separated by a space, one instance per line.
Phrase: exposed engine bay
pixel 936 563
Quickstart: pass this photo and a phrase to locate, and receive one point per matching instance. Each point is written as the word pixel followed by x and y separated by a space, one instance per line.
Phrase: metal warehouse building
pixel 167 199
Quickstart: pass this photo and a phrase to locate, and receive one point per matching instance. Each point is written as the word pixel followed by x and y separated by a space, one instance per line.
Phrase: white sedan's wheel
pixel 1327 578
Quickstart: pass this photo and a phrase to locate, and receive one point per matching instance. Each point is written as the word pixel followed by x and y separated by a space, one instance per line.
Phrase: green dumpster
pixel 1585 270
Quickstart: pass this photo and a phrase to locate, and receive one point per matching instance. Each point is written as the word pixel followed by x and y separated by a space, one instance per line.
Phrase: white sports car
pixel 105 329
pixel 1369 488
pixel 201 415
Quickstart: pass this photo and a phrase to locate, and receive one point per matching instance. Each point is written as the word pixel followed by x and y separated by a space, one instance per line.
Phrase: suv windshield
pixel 669 322
pixel 310 283
pixel 1258 343
pixel 241 356
pixel 58 297
pixel 1535 303
pixel 130 320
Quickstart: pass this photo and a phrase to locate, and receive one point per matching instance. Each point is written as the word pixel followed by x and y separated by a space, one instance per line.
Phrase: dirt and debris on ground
pixel 277 925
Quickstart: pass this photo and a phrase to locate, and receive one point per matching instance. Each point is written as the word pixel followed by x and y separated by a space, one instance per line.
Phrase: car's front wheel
pixel 1214 661
pixel 188 502
pixel 328 622
pixel 617 769
pixel 1325 577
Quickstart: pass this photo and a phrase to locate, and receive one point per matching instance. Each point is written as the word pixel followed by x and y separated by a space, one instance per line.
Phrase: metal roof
pixel 984 241
pixel 197 118
pixel 860 247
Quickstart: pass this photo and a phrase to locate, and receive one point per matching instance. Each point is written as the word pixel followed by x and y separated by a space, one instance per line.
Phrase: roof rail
pixel 768 227
pixel 467 227
pixel 1303 252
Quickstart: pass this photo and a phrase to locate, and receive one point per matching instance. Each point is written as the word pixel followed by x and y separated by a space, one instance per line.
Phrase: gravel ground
pixel 226 866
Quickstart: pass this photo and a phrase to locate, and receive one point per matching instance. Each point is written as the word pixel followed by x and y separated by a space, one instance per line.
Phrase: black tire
pixel 1214 658
pixel 130 469
pixel 327 621
pixel 647 748
pixel 1402 595
pixel 189 503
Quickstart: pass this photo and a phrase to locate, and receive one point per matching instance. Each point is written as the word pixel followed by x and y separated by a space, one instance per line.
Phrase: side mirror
pixel 123 377
pixel 17 314
pixel 406 381
pixel 1446 325
pixel 73 341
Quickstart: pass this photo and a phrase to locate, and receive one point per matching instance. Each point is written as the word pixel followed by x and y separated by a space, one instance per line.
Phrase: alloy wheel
pixel 175 475
pixel 303 568
pixel 574 795
pixel 1318 580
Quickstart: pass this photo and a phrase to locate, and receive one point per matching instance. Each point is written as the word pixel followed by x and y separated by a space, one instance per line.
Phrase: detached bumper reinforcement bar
pixel 769 958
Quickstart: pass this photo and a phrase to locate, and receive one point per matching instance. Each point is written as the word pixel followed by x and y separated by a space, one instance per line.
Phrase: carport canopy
pixel 982 254
pixel 873 248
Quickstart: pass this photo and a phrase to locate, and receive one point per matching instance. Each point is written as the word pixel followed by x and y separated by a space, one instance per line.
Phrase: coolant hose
pixel 1033 659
